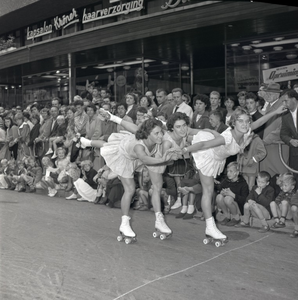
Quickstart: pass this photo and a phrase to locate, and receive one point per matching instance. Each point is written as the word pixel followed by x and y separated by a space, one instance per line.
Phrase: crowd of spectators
pixel 40 148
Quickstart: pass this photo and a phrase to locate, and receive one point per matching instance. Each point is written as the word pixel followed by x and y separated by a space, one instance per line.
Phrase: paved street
pixel 52 248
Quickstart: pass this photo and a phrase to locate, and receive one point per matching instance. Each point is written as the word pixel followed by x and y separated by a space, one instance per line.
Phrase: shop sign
pixel 124 8
pixel 284 73
pixel 173 3
pixel 59 23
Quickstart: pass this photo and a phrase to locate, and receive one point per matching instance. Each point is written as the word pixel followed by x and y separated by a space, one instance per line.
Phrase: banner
pixel 280 74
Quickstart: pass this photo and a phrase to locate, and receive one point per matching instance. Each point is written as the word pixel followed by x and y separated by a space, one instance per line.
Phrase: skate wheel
pixel 155 234
pixel 162 236
pixel 128 241
pixel 119 238
pixel 206 241
pixel 217 244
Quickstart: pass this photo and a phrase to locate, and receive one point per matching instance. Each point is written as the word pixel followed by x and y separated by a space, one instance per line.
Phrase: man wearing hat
pixel 272 162
pixel 289 128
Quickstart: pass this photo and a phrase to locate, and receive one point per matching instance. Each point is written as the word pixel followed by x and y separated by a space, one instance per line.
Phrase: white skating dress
pixel 121 158
pixel 211 161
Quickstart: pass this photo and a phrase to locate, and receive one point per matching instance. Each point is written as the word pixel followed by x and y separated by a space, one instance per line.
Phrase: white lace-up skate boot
pixel 212 231
pixel 85 142
pixel 125 228
pixel 162 229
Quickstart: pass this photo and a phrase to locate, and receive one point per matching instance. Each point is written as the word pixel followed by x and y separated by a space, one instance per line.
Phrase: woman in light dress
pixel 126 153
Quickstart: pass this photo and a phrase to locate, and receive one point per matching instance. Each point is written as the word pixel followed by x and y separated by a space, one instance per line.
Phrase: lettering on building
pixel 173 3
pixel 46 29
pixel 66 20
pixel 124 8
pixel 280 74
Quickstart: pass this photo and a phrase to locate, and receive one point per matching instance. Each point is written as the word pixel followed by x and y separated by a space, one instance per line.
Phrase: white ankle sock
pixel 190 209
pixel 184 209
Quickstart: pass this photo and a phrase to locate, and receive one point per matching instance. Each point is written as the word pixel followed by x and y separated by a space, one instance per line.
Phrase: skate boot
pixel 162 230
pixel 85 142
pixel 126 232
pixel 213 234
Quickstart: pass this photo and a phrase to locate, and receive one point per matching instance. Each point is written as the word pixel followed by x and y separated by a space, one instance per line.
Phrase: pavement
pixel 52 248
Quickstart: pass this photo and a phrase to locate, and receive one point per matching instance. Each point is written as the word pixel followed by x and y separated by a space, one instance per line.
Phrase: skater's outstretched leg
pixel 129 190
pixel 208 189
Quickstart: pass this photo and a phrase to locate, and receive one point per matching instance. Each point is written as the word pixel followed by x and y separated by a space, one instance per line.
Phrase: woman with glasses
pixel 210 150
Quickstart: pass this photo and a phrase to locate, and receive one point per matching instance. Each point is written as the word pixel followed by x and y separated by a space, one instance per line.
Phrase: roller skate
pixel 213 235
pixel 126 233
pixel 162 230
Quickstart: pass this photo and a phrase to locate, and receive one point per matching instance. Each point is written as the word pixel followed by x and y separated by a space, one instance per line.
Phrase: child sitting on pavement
pixel 258 202
pixel 144 192
pixel 233 191
pixel 3 172
pixel 33 176
pixel 280 208
pixel 190 189
pixel 294 211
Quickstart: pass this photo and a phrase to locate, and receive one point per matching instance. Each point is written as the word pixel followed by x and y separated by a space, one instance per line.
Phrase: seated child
pixel 102 178
pixel 3 172
pixel 294 211
pixel 190 190
pixel 59 174
pixel 280 208
pixel 17 177
pixel 233 191
pixel 10 172
pixel 47 182
pixel 83 188
pixel 143 191
pixel 61 132
pixel 258 202
pixel 33 176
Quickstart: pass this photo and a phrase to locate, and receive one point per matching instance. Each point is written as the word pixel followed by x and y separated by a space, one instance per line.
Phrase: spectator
pixel 180 105
pixel 201 114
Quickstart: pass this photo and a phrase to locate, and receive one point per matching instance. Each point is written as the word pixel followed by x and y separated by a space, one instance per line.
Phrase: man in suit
pixel 54 114
pixel 272 162
pixel 163 105
pixel 180 105
pixel 288 132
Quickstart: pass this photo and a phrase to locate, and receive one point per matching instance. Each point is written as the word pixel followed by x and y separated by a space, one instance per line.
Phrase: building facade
pixel 54 48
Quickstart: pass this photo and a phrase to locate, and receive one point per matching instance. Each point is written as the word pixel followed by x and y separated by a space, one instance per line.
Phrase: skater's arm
pixel 218 141
pixel 281 109
pixel 148 160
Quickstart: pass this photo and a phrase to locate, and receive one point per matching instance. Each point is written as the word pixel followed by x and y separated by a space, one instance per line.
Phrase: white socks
pixel 190 209
pixel 184 209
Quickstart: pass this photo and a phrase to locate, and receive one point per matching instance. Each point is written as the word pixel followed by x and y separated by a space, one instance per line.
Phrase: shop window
pixel 270 59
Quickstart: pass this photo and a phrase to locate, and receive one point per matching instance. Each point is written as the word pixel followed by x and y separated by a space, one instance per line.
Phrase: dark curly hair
pixel 146 128
pixel 176 117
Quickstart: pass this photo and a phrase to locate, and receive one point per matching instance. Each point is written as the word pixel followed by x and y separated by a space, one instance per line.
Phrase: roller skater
pixel 126 153
pixel 126 232
pixel 162 229
pixel 210 150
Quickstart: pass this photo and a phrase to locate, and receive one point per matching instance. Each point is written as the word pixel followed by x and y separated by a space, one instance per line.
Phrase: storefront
pixel 143 45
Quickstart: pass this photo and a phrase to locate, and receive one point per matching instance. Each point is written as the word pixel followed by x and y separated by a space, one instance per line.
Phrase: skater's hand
pixel 104 114
pixel 172 154
pixel 228 192
pixel 281 109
